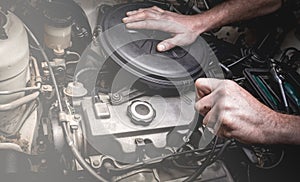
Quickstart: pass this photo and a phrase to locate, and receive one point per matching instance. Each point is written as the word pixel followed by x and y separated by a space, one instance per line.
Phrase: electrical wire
pixel 175 163
pixel 275 164
pixel 206 163
pixel 119 178
pixel 160 159
pixel 50 68
pixel 69 140
pixel 155 160
pixel 29 110
pixel 10 92
pixel 284 54
pixel 32 88
pixel 78 156
pixel 226 144
pixel 211 159
pixel 82 71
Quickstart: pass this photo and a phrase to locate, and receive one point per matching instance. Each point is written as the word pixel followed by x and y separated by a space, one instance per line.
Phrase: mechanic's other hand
pixel 181 27
pixel 233 112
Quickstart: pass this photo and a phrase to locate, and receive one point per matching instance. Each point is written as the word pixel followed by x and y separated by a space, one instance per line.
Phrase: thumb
pixel 170 43
pixel 165 46
pixel 205 86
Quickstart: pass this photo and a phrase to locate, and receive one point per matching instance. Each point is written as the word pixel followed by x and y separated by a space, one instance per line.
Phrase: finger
pixel 201 91
pixel 129 13
pixel 205 104
pixel 151 24
pixel 141 15
pixel 158 9
pixel 224 132
pixel 206 86
pixel 212 121
pixel 155 8
pixel 170 43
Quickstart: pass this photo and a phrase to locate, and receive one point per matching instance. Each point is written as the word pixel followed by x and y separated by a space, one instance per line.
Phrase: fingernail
pixel 161 47
pixel 129 12
pixel 124 19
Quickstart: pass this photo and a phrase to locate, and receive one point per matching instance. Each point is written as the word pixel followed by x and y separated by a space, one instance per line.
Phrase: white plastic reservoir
pixel 14 56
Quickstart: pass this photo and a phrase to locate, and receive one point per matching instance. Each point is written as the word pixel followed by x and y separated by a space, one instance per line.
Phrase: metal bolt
pixel 45 87
pixel 116 97
pixel 107 165
pixel 186 139
pixel 139 140
pixel 43 161
pixel 68 91
pixel 60 69
pixel 96 163
pixel 77 116
pixel 65 172
pixel 74 127
pixel 41 142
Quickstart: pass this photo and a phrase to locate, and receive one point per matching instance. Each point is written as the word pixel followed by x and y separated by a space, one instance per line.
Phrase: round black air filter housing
pixel 135 51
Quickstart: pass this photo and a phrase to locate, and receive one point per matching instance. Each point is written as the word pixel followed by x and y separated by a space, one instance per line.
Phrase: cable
pixel 50 68
pixel 156 160
pixel 82 71
pixel 284 54
pixel 70 142
pixel 160 159
pixel 29 110
pixel 220 152
pixel 78 156
pixel 175 163
pixel 276 164
pixel 17 103
pixel 226 144
pixel 9 92
pixel 240 60
pixel 206 163
pixel 132 173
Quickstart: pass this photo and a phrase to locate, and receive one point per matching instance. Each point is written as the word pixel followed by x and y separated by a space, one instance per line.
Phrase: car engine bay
pixel 83 98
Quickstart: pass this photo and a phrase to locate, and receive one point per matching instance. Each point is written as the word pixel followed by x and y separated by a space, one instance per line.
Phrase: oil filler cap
pixel 141 112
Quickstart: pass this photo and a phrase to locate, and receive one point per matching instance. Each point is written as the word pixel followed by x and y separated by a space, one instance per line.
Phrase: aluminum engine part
pixel 116 135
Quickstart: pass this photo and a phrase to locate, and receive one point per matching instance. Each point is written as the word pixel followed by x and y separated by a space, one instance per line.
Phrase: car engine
pixel 83 98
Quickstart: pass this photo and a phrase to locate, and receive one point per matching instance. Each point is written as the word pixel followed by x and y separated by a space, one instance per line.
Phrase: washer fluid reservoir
pixel 14 56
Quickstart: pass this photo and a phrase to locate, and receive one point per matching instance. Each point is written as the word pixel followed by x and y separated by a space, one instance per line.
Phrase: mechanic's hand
pixel 181 27
pixel 233 112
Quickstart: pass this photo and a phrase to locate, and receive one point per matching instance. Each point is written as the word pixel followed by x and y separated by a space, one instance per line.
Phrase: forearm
pixel 288 127
pixel 232 11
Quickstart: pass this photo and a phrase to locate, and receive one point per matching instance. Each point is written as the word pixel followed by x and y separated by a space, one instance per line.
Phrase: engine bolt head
pixel 77 116
pixel 116 97
pixel 96 163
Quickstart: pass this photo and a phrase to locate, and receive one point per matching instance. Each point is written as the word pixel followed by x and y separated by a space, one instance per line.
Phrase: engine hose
pixel 50 68
pixel 70 142
pixel 10 146
pixel 33 88
pixel 17 103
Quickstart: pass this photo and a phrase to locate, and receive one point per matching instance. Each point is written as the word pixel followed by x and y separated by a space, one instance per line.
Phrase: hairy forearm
pixel 288 127
pixel 234 10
